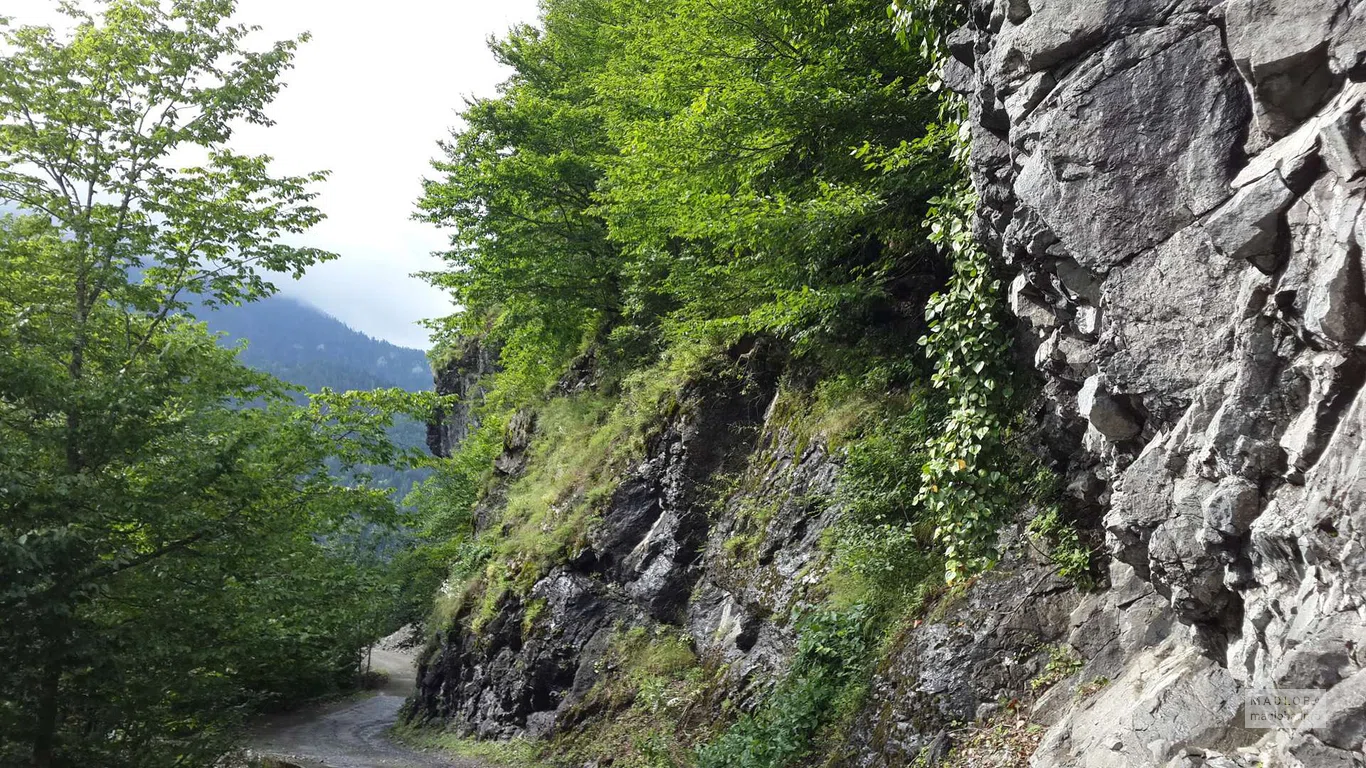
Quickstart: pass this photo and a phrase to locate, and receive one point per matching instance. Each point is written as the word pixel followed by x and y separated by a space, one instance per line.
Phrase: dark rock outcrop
pixel 524 671
pixel 462 377
pixel 978 651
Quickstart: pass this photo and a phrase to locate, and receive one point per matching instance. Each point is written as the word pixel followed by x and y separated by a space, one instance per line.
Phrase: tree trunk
pixel 45 737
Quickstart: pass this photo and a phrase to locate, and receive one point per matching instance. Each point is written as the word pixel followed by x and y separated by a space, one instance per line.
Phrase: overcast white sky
pixel 368 98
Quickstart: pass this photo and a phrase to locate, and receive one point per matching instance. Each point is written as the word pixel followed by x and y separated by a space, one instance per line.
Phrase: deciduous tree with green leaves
pixel 172 549
pixel 669 168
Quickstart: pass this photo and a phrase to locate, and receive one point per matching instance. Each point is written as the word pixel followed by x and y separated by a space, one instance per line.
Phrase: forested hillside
pixel 755 409
pixel 304 345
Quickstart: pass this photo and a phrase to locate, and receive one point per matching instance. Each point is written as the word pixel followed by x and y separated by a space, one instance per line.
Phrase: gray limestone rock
pixel 1249 224
pixel 1164 160
pixel 1343 144
pixel 1339 718
pixel 1232 507
pixel 984 648
pixel 1281 49
pixel 1168 321
pixel 1167 697
pixel 1108 415
pixel 1182 115
pixel 1349 46
pixel 1337 299
pixel 1027 304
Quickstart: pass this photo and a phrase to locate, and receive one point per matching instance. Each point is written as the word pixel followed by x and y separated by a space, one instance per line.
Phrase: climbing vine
pixel 966 489
pixel 961 483
pixel 965 486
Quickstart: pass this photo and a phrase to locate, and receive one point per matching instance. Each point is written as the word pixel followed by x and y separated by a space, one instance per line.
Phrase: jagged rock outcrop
pixel 1179 186
pixel 959 665
pixel 525 670
pixel 462 377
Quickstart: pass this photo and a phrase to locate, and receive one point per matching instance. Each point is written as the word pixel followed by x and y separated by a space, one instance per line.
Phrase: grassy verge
pixel 517 753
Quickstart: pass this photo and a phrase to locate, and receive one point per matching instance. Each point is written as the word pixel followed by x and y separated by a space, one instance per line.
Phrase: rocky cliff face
pixel 1177 189
pixel 1179 186
pixel 462 377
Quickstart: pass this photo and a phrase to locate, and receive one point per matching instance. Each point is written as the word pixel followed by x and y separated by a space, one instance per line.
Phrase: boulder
pixel 1109 415
pixel 1249 225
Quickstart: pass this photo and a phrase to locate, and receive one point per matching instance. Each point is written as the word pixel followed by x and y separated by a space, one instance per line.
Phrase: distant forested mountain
pixel 306 346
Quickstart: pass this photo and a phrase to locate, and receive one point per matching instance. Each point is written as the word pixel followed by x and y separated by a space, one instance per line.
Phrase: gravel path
pixel 352 734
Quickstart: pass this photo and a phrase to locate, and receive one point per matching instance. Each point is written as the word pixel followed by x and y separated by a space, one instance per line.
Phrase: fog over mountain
pixel 305 345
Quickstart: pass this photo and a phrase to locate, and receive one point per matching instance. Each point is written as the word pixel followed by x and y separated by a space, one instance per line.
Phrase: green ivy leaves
pixel 961 486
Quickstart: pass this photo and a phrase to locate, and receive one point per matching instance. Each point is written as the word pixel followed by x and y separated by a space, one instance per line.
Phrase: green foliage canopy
pixel 665 168
pixel 174 549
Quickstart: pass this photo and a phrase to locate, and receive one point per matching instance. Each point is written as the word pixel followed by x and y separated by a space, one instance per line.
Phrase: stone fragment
pixel 1027 234
pixel 1281 50
pixel 1066 356
pixel 1088 320
pixel 1325 228
pixel 1025 98
pixel 1029 309
pixel 1294 153
pixel 1048 351
pixel 1233 506
pixel 1286 156
pixel 1306 751
pixel 1142 500
pixel 1337 299
pixel 1349 49
pixel 1343 145
pixel 962 43
pixel 1079 355
pixel 957 76
pixel 1168 320
pixel 1166 698
pixel 1181 563
pixel 1339 718
pixel 1247 226
pixel 1017 10
pixel 1078 280
pixel 1108 415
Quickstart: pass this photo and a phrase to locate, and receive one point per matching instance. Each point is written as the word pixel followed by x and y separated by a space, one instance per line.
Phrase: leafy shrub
pixel 1073 558
pixel 832 649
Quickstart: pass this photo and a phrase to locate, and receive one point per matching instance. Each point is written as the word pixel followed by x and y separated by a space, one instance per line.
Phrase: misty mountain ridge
pixel 304 345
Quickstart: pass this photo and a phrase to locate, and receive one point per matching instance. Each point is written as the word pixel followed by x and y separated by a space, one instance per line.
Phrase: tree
pixel 170 523
pixel 664 168
pixel 516 186
pixel 743 184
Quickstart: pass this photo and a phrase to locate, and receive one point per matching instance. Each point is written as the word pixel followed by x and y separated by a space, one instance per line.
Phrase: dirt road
pixel 351 734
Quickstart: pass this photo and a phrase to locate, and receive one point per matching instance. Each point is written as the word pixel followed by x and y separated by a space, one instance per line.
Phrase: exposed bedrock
pixel 1178 189
pixel 1179 186
pixel 526 669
